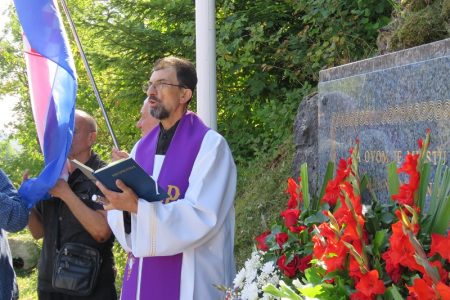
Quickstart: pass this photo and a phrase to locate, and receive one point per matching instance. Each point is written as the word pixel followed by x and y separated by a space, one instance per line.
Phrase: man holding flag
pixel 72 217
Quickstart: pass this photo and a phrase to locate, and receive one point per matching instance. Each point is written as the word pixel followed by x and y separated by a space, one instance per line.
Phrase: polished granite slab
pixel 386 102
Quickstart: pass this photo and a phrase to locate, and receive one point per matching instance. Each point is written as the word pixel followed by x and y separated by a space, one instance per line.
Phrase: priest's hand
pixel 127 200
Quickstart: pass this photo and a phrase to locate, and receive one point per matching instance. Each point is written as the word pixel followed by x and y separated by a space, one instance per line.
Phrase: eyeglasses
pixel 159 86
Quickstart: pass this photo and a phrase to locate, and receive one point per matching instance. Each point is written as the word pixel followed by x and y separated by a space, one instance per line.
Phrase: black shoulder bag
pixel 76 267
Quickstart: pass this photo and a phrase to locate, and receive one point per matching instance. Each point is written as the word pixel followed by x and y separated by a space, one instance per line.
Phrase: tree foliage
pixel 269 57
pixel 269 54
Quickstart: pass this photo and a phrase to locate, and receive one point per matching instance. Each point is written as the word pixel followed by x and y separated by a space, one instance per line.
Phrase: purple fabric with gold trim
pixel 161 275
pixel 180 155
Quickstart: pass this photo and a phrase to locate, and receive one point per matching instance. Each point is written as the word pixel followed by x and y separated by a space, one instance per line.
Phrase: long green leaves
pixel 438 217
pixel 392 293
pixel 305 185
pixel 424 181
pixel 393 180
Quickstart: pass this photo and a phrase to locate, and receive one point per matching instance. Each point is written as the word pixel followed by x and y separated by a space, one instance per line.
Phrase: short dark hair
pixel 185 69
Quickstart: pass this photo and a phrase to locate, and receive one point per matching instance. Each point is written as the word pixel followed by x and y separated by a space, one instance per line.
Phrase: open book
pixel 130 173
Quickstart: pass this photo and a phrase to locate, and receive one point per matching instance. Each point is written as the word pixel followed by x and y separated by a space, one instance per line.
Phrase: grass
pixel 27 280
pixel 260 195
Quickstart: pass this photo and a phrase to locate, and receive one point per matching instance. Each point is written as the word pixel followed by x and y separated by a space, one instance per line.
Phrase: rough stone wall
pixel 306 139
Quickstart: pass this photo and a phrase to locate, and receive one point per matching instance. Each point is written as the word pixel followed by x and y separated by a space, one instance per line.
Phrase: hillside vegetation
pixel 269 54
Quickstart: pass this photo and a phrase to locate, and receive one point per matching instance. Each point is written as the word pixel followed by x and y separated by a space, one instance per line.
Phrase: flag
pixel 52 84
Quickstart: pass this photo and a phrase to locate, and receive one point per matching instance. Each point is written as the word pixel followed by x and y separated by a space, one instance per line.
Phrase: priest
pixel 179 248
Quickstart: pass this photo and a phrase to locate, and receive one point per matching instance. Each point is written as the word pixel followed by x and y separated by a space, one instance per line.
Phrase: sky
pixel 6 103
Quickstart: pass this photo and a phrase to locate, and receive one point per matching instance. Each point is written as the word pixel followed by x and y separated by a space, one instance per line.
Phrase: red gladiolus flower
pixel 440 244
pixel 355 200
pixel 392 267
pixel 443 290
pixel 332 190
pixel 405 195
pixel 359 296
pixel 354 269
pixel 421 290
pixel 420 143
pixel 288 269
pixel 370 285
pixel 295 194
pixel 335 256
pixel 319 248
pixel 290 217
pixel 410 165
pixel 281 238
pixel 261 241
pixel 401 250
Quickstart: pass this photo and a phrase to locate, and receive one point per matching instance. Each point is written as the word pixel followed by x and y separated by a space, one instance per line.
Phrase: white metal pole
pixel 205 30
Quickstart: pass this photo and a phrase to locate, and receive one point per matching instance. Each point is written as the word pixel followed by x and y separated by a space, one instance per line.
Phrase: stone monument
pixel 386 102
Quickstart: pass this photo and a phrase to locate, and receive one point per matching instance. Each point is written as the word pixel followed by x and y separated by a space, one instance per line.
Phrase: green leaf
pixel 284 292
pixel 392 293
pixel 314 275
pixel 393 180
pixel 305 185
pixel 364 182
pixel 311 291
pixel 317 218
pixel 387 218
pixel 379 241
pixel 424 181
pixel 439 212
pixel 272 290
pixel 442 220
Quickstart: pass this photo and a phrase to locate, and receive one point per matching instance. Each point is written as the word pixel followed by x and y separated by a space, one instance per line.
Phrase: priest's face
pixel 164 94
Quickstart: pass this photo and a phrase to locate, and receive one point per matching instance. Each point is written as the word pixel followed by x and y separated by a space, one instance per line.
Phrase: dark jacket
pixel 55 212
pixel 13 217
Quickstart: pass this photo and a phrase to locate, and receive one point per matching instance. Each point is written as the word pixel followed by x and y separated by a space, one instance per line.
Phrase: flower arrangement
pixel 252 278
pixel 334 247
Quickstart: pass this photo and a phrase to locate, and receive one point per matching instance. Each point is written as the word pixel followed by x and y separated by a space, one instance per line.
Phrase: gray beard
pixel 159 112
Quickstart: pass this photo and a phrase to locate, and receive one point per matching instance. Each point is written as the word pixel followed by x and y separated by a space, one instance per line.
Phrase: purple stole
pixel 161 275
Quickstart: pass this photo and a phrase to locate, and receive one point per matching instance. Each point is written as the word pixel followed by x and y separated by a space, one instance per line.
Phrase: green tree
pixel 269 54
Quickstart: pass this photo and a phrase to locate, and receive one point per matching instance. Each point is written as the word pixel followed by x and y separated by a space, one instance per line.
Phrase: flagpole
pixel 88 69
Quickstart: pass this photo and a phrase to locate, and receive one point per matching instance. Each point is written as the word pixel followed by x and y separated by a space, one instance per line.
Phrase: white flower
pixel 268 267
pixel 266 297
pixel 253 261
pixel 250 274
pixel 256 274
pixel 250 292
pixel 239 279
